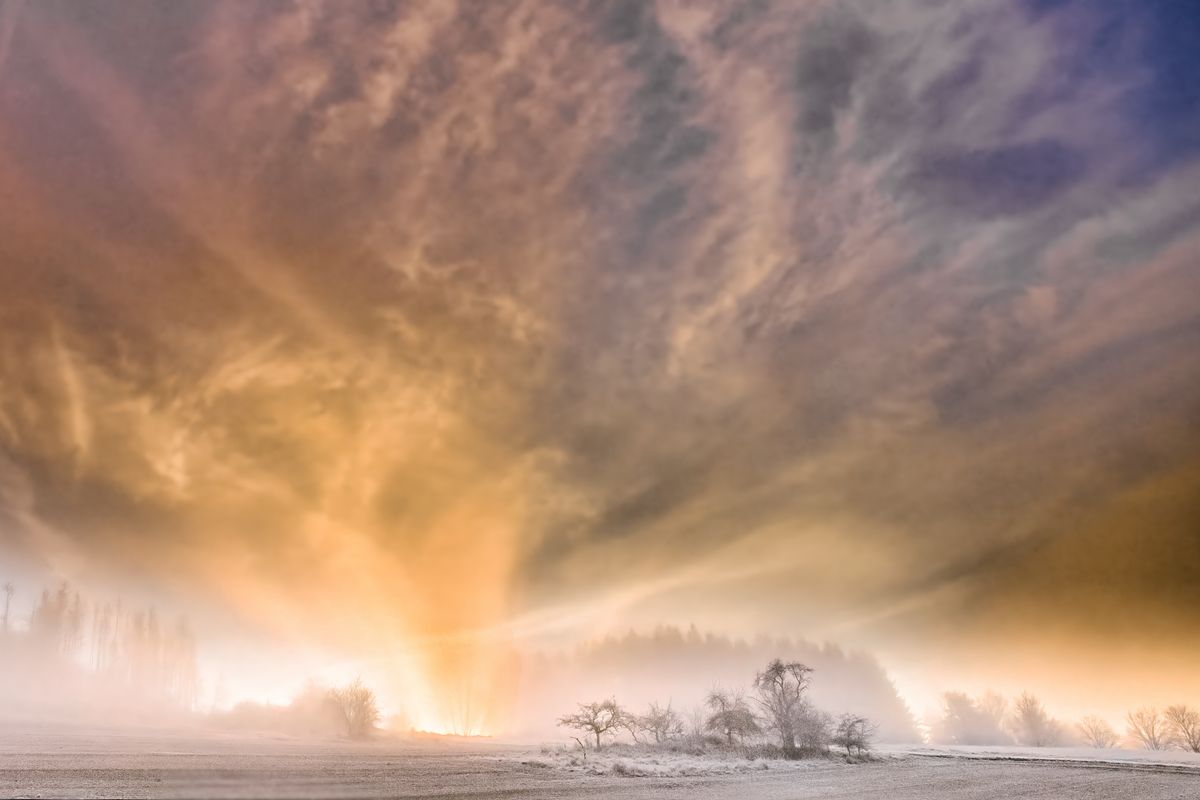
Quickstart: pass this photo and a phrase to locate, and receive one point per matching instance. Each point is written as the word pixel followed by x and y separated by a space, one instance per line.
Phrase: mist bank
pixel 68 658
pixel 73 658
pixel 682 666
pixel 76 659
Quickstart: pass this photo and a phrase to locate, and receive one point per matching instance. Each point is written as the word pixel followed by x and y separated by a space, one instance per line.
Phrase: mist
pixel 69 657
pixel 83 660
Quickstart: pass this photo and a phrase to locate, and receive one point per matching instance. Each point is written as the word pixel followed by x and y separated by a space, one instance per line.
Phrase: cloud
pixel 1013 179
pixel 835 48
pixel 435 318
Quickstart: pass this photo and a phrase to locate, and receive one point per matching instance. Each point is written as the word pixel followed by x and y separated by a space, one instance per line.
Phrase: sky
pixel 408 333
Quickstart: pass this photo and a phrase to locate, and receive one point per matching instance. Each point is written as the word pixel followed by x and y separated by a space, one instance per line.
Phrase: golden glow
pixel 405 345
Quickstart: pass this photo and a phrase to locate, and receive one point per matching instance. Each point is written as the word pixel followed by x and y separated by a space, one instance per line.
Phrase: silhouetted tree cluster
pixel 1176 727
pixel 781 708
pixel 132 649
pixel 987 721
pixel 685 663
pixel 971 721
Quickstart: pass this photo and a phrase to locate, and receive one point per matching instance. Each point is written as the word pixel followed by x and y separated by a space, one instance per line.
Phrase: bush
pixel 853 733
pixel 356 706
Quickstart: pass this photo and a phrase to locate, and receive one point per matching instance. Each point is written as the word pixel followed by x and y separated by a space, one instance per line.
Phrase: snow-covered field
pixel 1115 757
pixel 49 762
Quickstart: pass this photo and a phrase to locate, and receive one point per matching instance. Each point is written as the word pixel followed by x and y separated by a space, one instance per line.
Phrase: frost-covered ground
pixel 636 762
pixel 75 762
pixel 1117 757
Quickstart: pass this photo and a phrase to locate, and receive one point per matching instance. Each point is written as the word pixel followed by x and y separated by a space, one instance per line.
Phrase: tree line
pixel 992 720
pixel 131 647
pixel 684 662
pixel 776 718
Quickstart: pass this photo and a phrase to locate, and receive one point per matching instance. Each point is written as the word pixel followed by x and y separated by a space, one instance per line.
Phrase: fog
pixel 75 659
pixel 70 658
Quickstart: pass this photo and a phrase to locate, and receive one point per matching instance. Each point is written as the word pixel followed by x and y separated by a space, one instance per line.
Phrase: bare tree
pixel 1097 733
pixel 1032 725
pixel 596 719
pixel 731 716
pixel 1148 727
pixel 854 733
pixel 1184 725
pixel 660 723
pixel 781 691
pixel 357 709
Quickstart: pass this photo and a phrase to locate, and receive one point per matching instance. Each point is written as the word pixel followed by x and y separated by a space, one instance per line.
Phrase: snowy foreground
pixel 46 762
pixel 1114 757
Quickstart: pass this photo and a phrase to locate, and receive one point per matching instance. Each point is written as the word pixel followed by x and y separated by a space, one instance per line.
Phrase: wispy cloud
pixel 454 319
